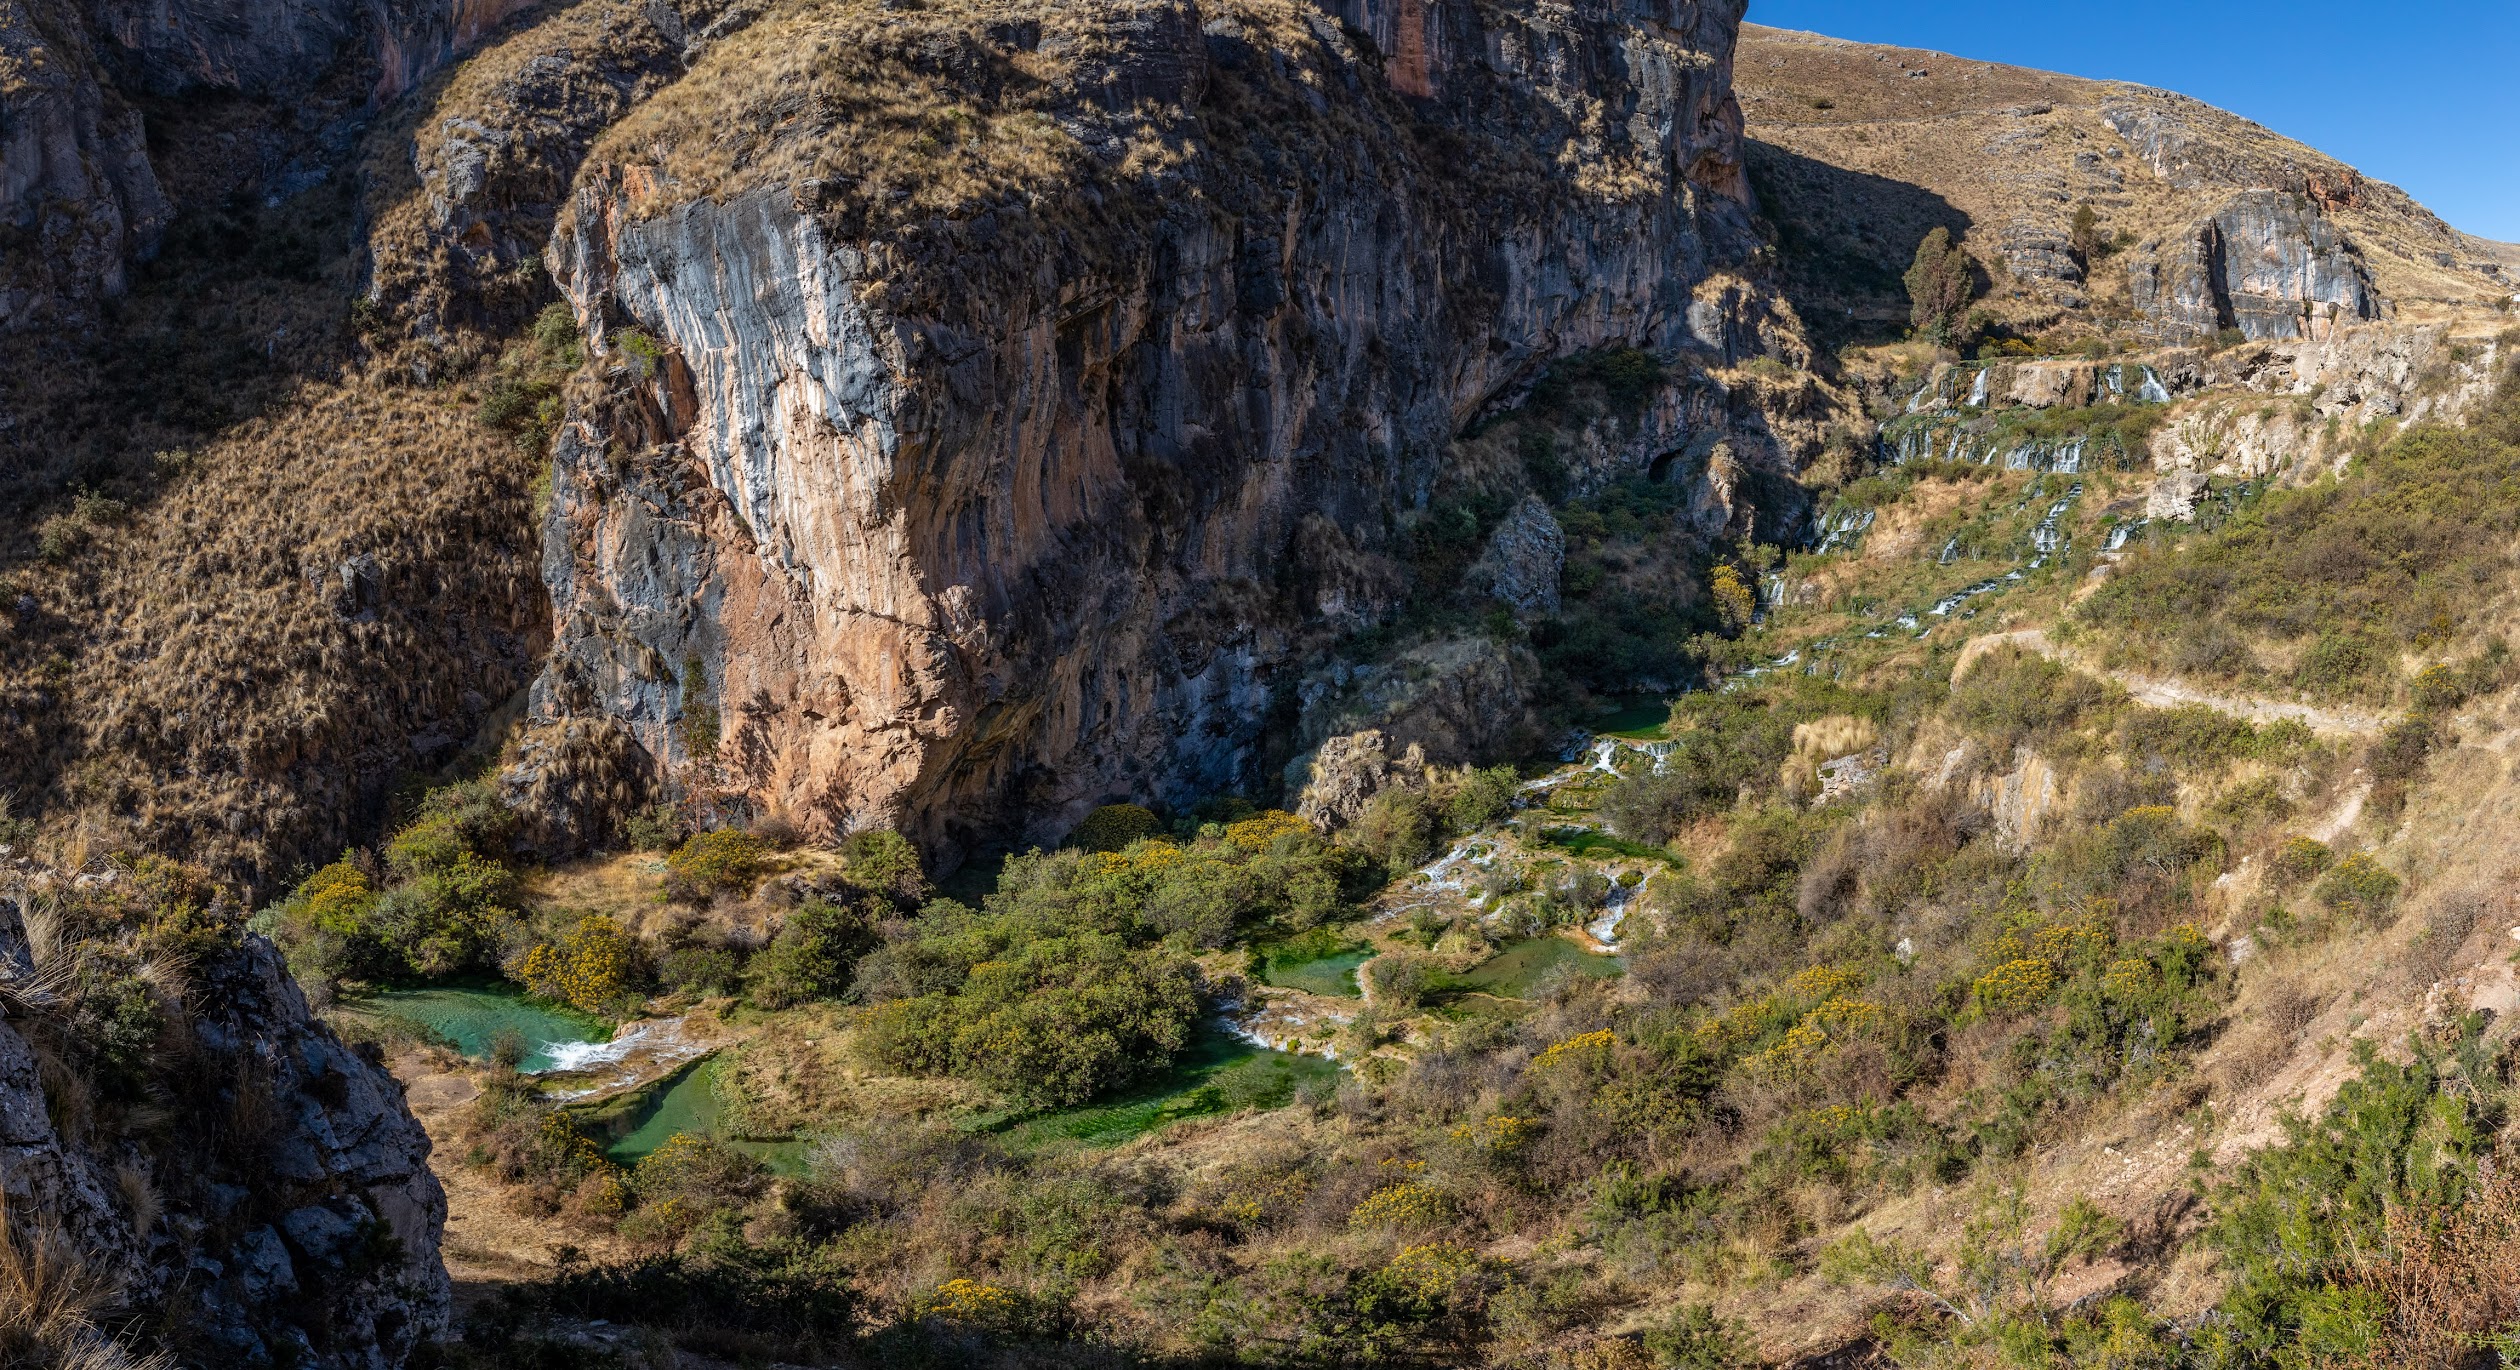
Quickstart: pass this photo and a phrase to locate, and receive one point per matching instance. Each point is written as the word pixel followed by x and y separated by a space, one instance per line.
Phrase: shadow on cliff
pixel 208 509
pixel 1845 239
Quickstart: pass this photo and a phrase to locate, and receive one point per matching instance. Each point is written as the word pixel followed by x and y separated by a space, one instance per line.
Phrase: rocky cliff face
pixel 268 1203
pixel 1034 502
pixel 77 182
pixel 2267 263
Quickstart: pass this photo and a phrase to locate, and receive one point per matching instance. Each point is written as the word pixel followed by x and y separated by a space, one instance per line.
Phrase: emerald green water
pixel 1518 969
pixel 1221 1073
pixel 1642 719
pixel 1585 842
pixel 472 1017
pixel 689 1105
pixel 1333 975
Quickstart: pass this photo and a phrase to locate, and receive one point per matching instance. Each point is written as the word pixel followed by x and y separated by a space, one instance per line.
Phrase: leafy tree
pixel 881 861
pixel 812 956
pixel 1044 1016
pixel 1939 285
pixel 1484 797
pixel 2084 237
pixel 1397 827
pixel 727 860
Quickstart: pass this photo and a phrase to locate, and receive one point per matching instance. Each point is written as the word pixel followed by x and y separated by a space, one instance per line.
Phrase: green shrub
pixel 444 908
pixel 1397 828
pixel 1046 1019
pixel 1485 796
pixel 2390 557
pixel 1113 827
pixel 1695 1338
pixel 700 971
pixel 728 860
pixel 2012 697
pixel 2360 887
pixel 2288 1223
pixel 2299 859
pixel 812 957
pixel 883 862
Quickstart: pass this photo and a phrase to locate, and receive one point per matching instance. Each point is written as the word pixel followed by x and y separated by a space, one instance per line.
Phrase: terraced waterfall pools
pixel 474 1018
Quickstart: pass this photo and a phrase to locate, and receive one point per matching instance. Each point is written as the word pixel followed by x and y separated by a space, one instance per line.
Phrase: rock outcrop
pixel 1346 772
pixel 299 1223
pixel 1524 559
pixel 2268 264
pixel 1029 500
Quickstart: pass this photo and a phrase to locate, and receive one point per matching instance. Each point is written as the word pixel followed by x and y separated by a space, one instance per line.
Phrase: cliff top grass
pixel 900 114
pixel 883 118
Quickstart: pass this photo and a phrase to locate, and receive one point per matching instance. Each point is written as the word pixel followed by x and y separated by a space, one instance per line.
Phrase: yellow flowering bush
pixel 970 1302
pixel 1823 982
pixel 2301 858
pixel 1148 856
pixel 604 1193
pixel 592 968
pixel 1408 1204
pixel 1573 1050
pixel 2129 977
pixel 708 862
pixel 338 897
pixel 2064 946
pixel 1113 827
pixel 1255 1196
pixel 2359 886
pixel 1500 1136
pixel 568 1151
pixel 2016 986
pixel 1432 1271
pixel 1262 830
pixel 1835 1021
pixel 1737 1025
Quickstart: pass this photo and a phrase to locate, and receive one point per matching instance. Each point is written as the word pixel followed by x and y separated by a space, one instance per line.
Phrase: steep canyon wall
pixel 998 514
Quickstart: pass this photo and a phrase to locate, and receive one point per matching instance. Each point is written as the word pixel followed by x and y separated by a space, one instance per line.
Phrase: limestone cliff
pixel 1026 477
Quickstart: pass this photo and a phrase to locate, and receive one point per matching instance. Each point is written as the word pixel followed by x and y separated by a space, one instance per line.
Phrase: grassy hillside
pixel 1939 986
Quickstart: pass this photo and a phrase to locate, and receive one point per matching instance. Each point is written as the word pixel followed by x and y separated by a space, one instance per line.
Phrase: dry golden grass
pixel 225 695
pixel 51 1299
pixel 544 88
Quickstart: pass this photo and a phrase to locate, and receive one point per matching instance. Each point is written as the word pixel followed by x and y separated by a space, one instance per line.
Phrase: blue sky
pixel 2424 93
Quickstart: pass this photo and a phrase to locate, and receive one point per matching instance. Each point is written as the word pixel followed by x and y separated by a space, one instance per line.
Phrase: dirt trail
pixel 2171 694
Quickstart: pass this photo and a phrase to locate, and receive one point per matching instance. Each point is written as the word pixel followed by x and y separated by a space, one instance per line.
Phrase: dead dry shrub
pixel 2450 1278
pixel 2289 1011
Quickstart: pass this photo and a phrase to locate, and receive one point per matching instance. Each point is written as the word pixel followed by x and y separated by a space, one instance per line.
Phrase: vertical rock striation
pixel 941 518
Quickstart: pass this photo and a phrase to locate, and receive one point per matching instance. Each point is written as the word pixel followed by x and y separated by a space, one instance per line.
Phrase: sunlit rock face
pixel 995 516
